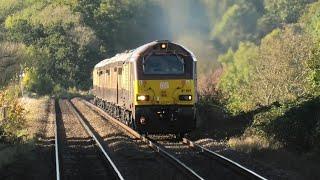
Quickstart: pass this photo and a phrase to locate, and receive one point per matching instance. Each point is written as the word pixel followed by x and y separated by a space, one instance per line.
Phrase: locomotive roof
pixel 130 55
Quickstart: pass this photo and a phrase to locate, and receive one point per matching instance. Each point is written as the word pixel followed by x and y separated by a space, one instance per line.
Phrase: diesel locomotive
pixel 151 88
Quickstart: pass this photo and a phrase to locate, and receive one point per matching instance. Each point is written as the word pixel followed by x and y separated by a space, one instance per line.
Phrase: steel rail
pixel 183 167
pixel 76 113
pixel 56 143
pixel 228 162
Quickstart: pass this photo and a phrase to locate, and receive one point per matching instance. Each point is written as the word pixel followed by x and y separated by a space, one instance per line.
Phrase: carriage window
pixel 115 69
pixel 100 73
pixel 163 64
pixel 108 72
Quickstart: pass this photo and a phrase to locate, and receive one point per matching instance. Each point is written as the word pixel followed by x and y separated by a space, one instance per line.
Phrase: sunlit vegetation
pixel 258 57
pixel 20 130
pixel 274 71
pixel 11 56
pixel 275 76
pixel 12 127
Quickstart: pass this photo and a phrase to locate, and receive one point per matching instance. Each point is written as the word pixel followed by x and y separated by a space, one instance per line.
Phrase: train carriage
pixel 151 88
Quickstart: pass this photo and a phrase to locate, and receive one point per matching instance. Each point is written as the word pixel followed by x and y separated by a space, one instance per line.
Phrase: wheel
pixel 143 133
pixel 131 122
pixel 179 136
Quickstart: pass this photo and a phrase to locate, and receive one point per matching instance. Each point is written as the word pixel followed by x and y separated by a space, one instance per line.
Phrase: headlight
pixel 142 98
pixel 185 97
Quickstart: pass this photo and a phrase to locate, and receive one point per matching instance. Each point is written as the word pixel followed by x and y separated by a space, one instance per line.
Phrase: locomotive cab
pixel 151 88
pixel 165 90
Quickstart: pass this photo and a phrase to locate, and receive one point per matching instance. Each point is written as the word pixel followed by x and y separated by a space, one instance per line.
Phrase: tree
pixel 276 71
pixel 238 23
pixel 280 73
pixel 118 24
pixel 60 48
pixel 286 11
pixel 237 77
pixel 311 19
pixel 11 56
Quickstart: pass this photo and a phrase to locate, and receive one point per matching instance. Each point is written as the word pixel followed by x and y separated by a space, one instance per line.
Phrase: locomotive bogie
pixel 165 119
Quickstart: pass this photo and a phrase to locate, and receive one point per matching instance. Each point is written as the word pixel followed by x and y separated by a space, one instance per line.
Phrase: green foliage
pixel 125 17
pixel 11 56
pixel 287 11
pixel 66 38
pixel 276 71
pixel 282 69
pixel 295 125
pixel 235 82
pixel 267 57
pixel 10 7
pixel 12 128
pixel 60 49
pixel 277 81
pixel 311 19
pixel 314 74
pixel 249 20
pixel 216 9
pixel 237 24
pixel 33 81
pixel 262 121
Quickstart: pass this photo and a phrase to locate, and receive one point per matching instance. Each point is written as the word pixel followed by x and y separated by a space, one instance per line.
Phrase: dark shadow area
pixel 214 122
pixel 31 163
pixel 299 127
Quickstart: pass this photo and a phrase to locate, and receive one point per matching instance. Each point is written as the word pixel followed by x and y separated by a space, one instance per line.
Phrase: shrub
pixel 34 81
pixel 12 127
pixel 297 126
pixel 316 137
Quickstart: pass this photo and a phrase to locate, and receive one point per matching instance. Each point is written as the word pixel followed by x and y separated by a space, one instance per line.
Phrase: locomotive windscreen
pixel 164 61
pixel 169 64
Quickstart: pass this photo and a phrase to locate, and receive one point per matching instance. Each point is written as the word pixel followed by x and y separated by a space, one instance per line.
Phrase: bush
pixel 34 81
pixel 297 126
pixel 12 127
pixel 316 137
pixel 263 120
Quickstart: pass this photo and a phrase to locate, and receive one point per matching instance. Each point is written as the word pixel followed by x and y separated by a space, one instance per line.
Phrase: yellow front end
pixel 164 92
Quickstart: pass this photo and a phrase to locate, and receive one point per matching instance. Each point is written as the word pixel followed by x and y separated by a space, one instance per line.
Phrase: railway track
pixel 208 164
pixel 221 164
pixel 132 154
pixel 238 168
pixel 79 154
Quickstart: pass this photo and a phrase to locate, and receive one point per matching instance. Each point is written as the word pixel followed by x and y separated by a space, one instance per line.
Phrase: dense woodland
pixel 259 57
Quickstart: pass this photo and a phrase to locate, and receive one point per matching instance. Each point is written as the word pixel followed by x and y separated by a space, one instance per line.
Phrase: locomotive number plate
pixel 164 85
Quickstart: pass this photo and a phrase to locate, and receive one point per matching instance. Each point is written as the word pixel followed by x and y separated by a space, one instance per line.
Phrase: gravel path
pixel 134 159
